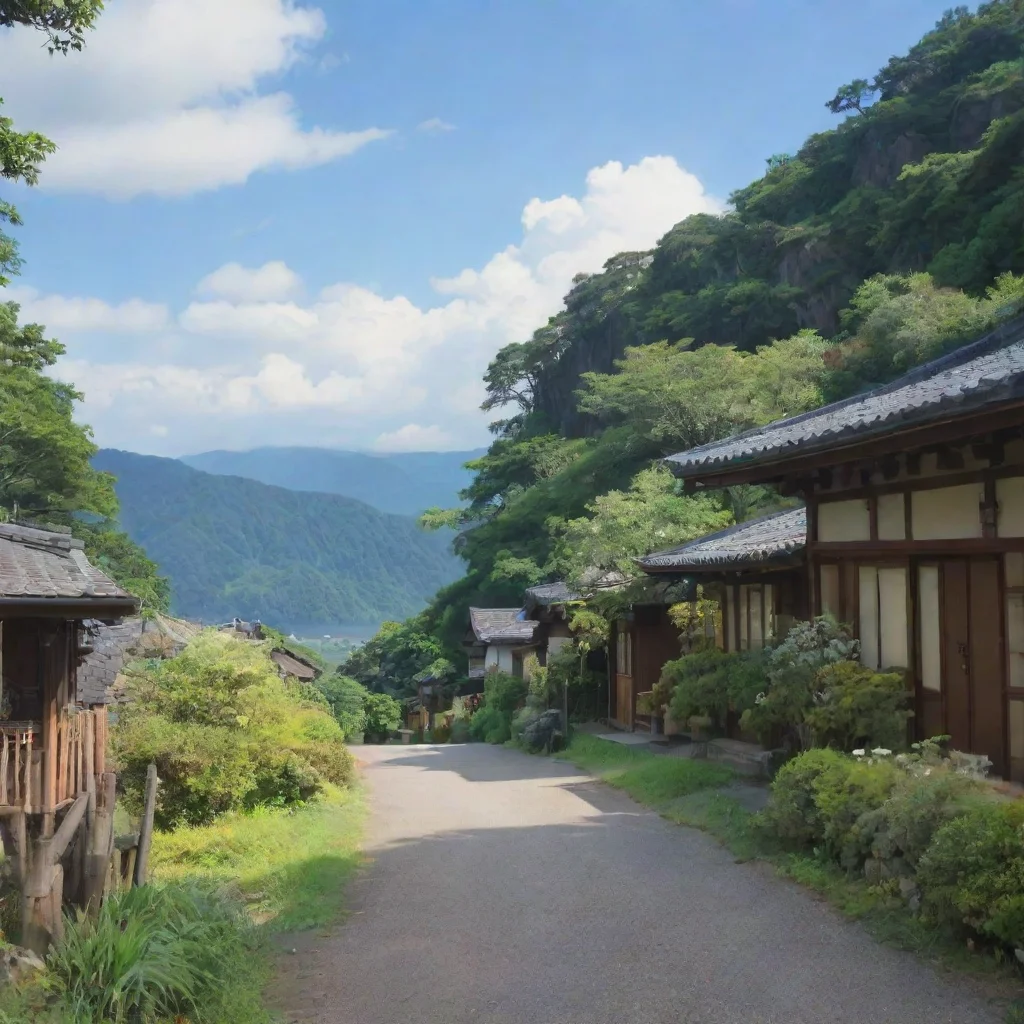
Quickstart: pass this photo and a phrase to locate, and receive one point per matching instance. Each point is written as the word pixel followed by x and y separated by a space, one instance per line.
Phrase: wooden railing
pixel 18 743
pixel 38 777
pixel 79 754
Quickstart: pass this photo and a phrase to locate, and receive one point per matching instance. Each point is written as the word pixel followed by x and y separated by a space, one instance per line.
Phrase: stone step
pixel 746 758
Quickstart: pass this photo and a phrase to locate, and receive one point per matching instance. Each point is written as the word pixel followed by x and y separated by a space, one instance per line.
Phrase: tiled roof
pixel 44 564
pixel 551 593
pixel 292 665
pixel 501 625
pixel 754 543
pixel 985 374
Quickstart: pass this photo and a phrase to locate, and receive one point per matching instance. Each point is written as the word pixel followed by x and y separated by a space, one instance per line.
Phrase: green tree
pixel 44 455
pixel 21 153
pixel 383 716
pixel 852 97
pixel 347 699
pixel 623 525
pixel 125 561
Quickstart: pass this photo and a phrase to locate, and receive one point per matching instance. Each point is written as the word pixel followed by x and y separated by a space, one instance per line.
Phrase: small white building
pixel 499 639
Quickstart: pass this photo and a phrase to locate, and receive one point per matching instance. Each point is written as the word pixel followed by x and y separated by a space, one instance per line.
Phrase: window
pixel 624 652
pixel 883 616
pixel 750 615
pixel 829 590
pixel 931 627
pixel 1015 617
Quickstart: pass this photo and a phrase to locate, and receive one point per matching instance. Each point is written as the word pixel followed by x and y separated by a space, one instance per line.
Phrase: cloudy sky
pixel 280 222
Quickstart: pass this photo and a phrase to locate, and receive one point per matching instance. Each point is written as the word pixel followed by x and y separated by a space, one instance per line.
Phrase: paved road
pixel 506 888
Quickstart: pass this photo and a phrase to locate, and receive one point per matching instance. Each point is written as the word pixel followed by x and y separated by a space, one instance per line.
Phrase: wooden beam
pixel 69 826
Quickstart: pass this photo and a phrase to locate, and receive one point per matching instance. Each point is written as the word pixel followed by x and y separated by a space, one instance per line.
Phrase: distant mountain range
pixel 299 560
pixel 403 483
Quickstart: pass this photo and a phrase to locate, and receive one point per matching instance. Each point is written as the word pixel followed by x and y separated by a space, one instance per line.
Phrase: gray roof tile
pixel 40 563
pixel 746 545
pixel 501 625
pixel 986 373
pixel 551 593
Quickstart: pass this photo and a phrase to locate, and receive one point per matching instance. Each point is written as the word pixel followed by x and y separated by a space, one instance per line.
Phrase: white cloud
pixel 434 126
pixel 159 430
pixel 414 438
pixel 273 282
pixel 61 313
pixel 165 97
pixel 255 364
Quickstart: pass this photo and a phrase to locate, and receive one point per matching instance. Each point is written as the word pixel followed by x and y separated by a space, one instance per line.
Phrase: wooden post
pixel 101 741
pixel 89 745
pixel 37 922
pixel 146 828
pixel 101 846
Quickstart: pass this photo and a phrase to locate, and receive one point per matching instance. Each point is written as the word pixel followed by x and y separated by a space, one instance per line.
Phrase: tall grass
pixel 154 954
pixel 289 865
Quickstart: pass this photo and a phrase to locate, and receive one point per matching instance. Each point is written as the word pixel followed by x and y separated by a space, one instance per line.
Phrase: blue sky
pixel 276 222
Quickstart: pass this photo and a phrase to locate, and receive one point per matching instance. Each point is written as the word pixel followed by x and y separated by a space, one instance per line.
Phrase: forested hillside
pixel 403 483
pixel 880 244
pixel 298 560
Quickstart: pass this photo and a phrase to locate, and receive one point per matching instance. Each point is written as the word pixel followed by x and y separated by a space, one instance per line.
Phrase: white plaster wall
pixel 844 520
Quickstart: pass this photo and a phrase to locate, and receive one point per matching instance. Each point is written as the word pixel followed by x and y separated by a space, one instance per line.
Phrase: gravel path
pixel 506 888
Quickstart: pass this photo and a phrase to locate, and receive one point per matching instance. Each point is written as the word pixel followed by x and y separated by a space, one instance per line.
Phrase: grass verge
pixel 267 871
pixel 289 866
pixel 695 793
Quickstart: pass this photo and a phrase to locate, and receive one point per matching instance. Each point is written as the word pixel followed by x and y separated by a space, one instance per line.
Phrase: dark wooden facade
pixel 641 645
pixel 915 533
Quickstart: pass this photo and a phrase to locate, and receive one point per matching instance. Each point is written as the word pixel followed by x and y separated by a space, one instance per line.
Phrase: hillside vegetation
pixel 404 483
pixel 236 547
pixel 877 246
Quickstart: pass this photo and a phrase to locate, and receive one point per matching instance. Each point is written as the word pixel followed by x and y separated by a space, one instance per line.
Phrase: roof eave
pixel 881 440
pixel 67 607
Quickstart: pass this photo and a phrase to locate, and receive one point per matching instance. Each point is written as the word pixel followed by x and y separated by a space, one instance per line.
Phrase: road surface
pixel 505 888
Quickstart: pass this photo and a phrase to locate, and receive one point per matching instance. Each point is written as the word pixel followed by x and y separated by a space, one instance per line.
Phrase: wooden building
pixel 756 571
pixel 56 795
pixel 500 639
pixel 915 531
pixel 548 605
pixel 643 639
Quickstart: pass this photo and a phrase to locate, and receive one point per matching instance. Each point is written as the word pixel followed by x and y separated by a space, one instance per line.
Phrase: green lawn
pixel 290 866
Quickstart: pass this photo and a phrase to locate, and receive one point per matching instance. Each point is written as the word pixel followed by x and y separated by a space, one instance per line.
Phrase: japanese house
pixel 756 571
pixel 915 531
pixel 548 604
pixel 52 749
pixel 643 639
pixel 499 638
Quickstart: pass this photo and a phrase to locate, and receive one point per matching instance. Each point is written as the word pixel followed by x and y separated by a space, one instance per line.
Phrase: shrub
pixel 153 953
pixel 460 731
pixel 843 795
pixel 858 707
pixel 699 686
pixel 818 800
pixel 442 733
pixel 503 695
pixel 792 678
pixel 792 814
pixel 973 872
pixel 346 698
pixel 383 715
pixel 710 683
pixel 225 734
pixel 918 807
